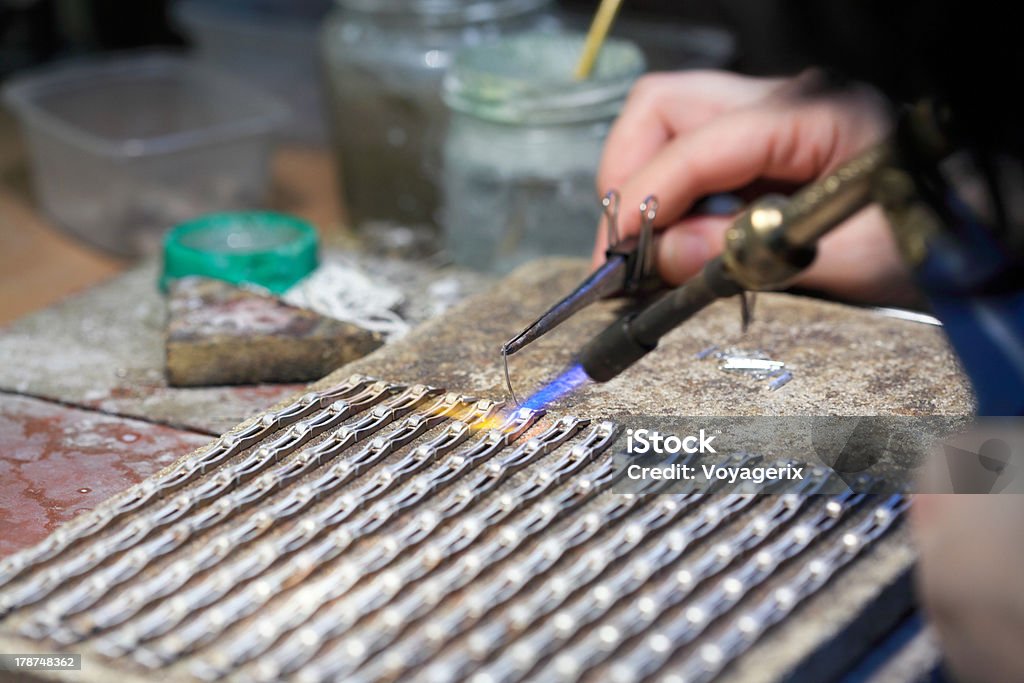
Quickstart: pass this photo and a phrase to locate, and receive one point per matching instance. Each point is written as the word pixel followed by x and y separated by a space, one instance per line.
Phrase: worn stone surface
pixel 221 334
pixel 57 462
pixel 845 361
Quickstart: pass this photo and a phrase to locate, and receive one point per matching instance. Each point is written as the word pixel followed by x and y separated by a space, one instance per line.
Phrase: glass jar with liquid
pixel 384 61
pixel 524 144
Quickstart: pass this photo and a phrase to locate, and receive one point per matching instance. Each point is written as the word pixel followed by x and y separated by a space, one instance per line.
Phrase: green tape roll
pixel 273 250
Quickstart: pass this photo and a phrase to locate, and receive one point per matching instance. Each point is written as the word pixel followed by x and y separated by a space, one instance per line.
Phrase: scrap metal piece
pixel 705 352
pixel 751 364
pixel 780 381
pixel 755 363
pixel 904 314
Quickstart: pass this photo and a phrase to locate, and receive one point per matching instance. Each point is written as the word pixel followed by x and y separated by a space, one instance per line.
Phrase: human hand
pixel 970 581
pixel 682 136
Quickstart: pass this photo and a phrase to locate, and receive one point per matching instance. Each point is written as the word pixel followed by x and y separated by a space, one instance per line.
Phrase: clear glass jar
pixel 523 147
pixel 384 61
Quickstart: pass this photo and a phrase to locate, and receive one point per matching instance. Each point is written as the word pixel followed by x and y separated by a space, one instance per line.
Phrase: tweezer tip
pixel 513 345
pixel 508 377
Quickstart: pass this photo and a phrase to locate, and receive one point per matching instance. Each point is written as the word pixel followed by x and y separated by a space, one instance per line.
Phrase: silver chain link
pixel 443 625
pixel 743 631
pixel 341 577
pixel 412 539
pixel 337 582
pixel 491 634
pixel 521 656
pixel 357 389
pixel 260 557
pixel 657 646
pixel 229 499
pixel 417 599
pixel 217 549
pixel 139 552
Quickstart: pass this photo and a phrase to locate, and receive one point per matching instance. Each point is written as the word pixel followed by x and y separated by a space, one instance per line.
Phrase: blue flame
pixel 572 378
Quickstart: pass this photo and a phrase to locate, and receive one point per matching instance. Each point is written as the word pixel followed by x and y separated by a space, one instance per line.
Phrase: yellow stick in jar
pixel 599 29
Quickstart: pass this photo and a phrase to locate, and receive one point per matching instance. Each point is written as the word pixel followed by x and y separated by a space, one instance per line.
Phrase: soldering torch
pixel 766 247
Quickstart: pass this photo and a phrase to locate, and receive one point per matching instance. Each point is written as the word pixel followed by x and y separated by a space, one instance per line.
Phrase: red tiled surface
pixel 57 462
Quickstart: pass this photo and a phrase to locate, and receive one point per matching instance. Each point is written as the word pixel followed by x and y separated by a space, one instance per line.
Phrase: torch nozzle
pixel 632 337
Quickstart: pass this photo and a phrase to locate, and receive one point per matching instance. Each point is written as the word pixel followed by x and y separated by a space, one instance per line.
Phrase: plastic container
pixel 272 45
pixel 124 148
pixel 524 145
pixel 385 60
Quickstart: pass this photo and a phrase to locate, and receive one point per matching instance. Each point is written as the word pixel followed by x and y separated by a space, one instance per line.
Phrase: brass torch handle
pixel 821 206
pixel 774 240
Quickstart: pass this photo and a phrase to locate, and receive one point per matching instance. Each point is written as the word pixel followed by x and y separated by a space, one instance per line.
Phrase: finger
pixel 785 138
pixel 684 248
pixel 860 261
pixel 662 106
pixel 777 142
pixel 674 176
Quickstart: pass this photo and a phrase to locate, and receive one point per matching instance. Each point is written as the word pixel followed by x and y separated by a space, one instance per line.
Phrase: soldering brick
pixel 221 334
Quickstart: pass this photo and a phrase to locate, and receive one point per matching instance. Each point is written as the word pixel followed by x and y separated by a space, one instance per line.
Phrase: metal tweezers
pixel 629 269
